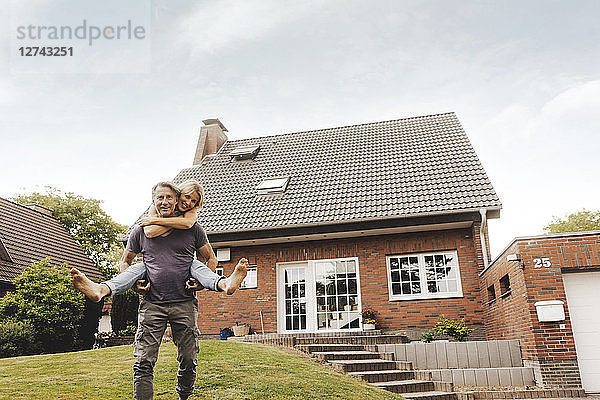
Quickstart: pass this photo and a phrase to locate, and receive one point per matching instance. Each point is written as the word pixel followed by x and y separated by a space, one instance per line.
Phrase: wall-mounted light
pixel 513 257
pixel 516 257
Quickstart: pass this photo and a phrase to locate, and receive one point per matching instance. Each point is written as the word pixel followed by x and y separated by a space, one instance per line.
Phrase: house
pixel 545 291
pixel 389 215
pixel 29 234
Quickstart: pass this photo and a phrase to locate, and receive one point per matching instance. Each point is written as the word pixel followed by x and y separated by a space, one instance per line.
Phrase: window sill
pixel 489 303
pixel 427 297
pixel 505 294
pixel 248 287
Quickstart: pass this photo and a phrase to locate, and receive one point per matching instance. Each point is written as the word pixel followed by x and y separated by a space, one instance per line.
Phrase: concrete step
pixel 346 355
pixel 363 365
pixel 405 365
pixel 384 376
pixel 359 340
pixel 312 348
pixel 433 395
pixel 406 386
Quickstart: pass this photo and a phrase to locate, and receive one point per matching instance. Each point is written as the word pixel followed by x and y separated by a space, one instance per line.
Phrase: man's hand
pixel 192 284
pixel 140 288
pixel 145 221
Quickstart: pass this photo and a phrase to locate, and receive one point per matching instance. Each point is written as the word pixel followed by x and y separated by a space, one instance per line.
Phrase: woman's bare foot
pixel 233 281
pixel 92 290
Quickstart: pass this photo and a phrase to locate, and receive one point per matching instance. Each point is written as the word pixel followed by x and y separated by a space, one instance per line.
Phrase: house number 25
pixel 542 262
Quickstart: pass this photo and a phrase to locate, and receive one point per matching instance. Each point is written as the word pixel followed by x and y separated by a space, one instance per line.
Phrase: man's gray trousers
pixel 152 322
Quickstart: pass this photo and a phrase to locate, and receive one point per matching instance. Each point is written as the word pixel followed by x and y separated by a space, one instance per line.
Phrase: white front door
pixel 583 297
pixel 321 295
pixel 294 314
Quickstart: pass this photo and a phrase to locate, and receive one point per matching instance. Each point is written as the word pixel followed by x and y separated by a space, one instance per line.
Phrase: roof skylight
pixel 245 152
pixel 273 185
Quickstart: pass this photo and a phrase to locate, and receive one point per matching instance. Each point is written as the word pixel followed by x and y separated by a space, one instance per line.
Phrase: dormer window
pixel 273 185
pixel 245 152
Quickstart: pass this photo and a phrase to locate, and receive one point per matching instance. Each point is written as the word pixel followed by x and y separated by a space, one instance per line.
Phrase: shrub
pixel 17 339
pixel 124 310
pixel 128 331
pixel 456 330
pixel 45 298
pixel 428 336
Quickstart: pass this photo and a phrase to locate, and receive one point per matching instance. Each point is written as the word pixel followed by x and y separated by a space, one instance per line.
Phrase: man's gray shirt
pixel 168 259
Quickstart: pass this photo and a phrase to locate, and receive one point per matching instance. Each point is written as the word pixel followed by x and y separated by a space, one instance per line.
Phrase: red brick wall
pixel 210 140
pixel 217 310
pixel 543 344
pixel 508 317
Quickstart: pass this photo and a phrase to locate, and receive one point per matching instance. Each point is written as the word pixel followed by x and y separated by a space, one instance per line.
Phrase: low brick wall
pixel 118 341
pixel 274 340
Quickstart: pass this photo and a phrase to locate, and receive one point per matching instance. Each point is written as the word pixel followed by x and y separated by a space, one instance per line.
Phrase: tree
pixel 576 222
pixel 45 299
pixel 84 219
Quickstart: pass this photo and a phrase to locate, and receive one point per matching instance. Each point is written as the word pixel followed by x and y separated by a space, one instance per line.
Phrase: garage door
pixel 583 299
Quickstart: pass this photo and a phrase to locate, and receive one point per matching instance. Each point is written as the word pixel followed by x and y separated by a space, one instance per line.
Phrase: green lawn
pixel 226 370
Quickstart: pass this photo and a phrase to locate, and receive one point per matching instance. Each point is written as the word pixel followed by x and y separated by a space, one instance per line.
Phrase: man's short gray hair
pixel 166 184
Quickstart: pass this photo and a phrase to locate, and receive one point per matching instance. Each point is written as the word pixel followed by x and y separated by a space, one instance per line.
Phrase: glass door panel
pixel 295 298
pixel 336 290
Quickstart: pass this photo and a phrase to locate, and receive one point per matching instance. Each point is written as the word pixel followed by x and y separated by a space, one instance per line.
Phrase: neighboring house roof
pixel 28 235
pixel 401 168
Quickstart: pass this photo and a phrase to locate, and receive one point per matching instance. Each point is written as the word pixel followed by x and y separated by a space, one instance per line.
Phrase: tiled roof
pixel 382 170
pixel 28 235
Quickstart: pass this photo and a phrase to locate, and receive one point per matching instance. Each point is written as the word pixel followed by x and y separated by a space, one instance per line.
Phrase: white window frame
pixel 423 278
pixel 252 273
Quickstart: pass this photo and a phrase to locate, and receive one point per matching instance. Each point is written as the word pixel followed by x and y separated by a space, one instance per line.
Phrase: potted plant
pixel 369 319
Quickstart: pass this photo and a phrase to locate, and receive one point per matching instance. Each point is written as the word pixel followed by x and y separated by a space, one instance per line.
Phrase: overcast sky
pixel 522 76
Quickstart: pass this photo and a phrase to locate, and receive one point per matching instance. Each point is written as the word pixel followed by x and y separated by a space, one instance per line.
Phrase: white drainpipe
pixel 483 213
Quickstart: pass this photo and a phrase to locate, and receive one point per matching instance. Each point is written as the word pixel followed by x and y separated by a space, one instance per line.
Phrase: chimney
pixel 42 209
pixel 212 137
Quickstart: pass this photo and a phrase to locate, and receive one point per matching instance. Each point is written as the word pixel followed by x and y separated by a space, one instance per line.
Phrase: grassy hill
pixel 226 370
